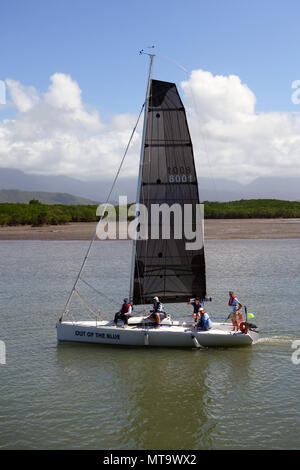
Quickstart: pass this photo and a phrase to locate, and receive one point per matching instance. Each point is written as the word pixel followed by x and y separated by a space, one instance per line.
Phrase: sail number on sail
pixel 180 175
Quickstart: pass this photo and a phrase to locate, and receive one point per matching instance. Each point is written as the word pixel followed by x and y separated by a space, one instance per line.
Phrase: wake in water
pixel 276 339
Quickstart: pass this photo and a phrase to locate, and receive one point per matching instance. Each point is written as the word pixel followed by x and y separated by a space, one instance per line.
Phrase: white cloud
pixel 230 139
pixel 56 133
pixel 24 98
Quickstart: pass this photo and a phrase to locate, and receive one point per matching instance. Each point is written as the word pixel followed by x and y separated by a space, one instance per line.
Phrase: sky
pixel 75 82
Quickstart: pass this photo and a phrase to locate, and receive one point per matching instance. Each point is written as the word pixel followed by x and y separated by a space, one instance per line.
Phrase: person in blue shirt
pixel 204 322
pixel 235 305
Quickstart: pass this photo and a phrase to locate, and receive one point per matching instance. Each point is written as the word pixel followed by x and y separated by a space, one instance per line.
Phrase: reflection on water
pixel 79 396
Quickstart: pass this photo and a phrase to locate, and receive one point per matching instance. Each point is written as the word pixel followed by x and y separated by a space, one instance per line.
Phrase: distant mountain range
pixel 15 195
pixel 218 189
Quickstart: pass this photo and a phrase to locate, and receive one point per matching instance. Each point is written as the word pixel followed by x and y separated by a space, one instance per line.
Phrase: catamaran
pixel 169 267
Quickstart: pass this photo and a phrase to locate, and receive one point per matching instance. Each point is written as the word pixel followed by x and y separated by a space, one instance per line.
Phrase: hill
pixel 18 196
pixel 212 189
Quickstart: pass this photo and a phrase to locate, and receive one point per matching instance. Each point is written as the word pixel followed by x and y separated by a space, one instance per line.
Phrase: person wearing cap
pixel 158 311
pixel 124 313
pixel 204 322
pixel 234 305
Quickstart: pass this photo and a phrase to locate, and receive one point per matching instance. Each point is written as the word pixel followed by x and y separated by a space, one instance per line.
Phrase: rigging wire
pixel 97 290
pixel 106 203
pixel 89 306
pixel 111 190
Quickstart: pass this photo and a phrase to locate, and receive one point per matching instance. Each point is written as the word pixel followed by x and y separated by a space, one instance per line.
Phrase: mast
pixel 151 56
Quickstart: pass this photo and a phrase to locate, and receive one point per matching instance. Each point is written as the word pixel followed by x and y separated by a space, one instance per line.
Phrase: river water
pixel 77 396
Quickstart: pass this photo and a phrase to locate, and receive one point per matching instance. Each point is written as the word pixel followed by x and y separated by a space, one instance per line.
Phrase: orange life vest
pixel 231 300
pixel 125 308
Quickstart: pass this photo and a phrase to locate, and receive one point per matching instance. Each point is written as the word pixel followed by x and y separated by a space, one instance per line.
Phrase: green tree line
pixel 252 208
pixel 37 214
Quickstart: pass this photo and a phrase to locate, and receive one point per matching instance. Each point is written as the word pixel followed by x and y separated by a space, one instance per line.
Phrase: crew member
pixel 197 304
pixel 124 313
pixel 234 305
pixel 204 322
pixel 158 311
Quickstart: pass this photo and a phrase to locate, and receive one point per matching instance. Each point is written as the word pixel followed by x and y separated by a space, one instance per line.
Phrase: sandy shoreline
pixel 213 229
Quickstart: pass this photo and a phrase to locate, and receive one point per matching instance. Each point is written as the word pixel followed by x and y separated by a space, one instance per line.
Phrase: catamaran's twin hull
pixel 165 336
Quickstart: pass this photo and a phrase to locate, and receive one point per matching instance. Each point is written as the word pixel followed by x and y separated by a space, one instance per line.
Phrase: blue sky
pixel 76 82
pixel 97 43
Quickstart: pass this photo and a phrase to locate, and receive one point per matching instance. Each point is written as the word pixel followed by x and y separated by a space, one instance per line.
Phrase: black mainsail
pixel 165 267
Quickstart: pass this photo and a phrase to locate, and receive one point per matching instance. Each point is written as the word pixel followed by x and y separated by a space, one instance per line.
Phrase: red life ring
pixel 244 327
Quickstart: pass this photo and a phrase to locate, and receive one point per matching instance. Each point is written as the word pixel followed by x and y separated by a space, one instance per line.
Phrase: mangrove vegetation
pixel 37 214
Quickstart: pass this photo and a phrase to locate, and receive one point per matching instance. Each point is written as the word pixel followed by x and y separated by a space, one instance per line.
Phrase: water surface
pixel 77 396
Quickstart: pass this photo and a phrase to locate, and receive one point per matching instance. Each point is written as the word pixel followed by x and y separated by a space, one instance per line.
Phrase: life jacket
pixel 158 307
pixel 125 308
pixel 231 300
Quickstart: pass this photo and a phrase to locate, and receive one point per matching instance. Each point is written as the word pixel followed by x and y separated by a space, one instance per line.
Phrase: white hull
pixel 168 335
